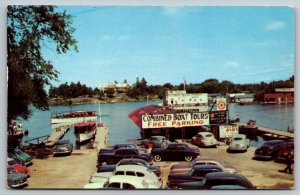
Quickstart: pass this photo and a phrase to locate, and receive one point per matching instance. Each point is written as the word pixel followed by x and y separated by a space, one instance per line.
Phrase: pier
pixel 272 133
pixel 57 133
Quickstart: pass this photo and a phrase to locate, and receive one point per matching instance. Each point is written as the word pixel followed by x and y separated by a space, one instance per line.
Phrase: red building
pixel 280 96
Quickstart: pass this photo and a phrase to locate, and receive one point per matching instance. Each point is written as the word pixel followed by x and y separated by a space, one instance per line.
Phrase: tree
pixel 29 28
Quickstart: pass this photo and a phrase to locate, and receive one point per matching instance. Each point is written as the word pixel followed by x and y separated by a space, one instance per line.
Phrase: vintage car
pixel 195 174
pixel 183 168
pixel 284 150
pixel 157 141
pixel 269 149
pixel 130 170
pixel 113 157
pixel 17 167
pixel 122 182
pixel 205 139
pixel 62 147
pixel 17 153
pixel 212 180
pixel 116 147
pixel 16 180
pixel 175 151
pixel 239 142
pixel 131 161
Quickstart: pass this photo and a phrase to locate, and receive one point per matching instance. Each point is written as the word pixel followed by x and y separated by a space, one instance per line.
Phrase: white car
pixel 239 142
pixel 205 139
pixel 130 170
pixel 122 182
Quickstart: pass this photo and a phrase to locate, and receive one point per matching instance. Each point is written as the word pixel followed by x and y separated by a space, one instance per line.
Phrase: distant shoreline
pixel 88 100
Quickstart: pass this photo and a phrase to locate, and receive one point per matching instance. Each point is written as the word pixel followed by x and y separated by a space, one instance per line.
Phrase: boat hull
pixel 83 137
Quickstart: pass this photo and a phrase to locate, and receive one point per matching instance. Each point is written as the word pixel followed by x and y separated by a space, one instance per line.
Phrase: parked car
pixel 212 180
pixel 17 167
pixel 175 151
pixel 131 161
pixel 26 158
pixel 197 173
pixel 114 157
pixel 130 170
pixel 63 147
pixel 157 141
pixel 183 168
pixel 205 139
pixel 239 142
pixel 116 147
pixel 268 150
pixel 284 150
pixel 122 182
pixel 16 180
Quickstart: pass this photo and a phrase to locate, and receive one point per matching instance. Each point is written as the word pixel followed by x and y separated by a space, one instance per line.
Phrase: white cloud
pixel 114 38
pixel 275 25
pixel 231 64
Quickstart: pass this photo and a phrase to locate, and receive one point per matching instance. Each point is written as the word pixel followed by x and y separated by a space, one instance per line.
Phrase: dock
pixel 275 133
pixel 57 133
pixel 101 137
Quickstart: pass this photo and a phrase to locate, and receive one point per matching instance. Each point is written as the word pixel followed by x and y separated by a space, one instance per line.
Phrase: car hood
pixel 229 169
pixel 20 168
pixel 94 185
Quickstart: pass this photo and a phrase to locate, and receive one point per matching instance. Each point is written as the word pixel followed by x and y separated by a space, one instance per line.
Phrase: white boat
pixel 73 117
pixel 85 131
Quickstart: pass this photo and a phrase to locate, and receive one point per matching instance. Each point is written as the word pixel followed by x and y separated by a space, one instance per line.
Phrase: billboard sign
pixel 175 120
pixel 217 117
pixel 226 131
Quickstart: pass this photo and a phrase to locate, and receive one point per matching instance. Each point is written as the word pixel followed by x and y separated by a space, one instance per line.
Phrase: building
pixel 280 96
pixel 118 87
pixel 241 97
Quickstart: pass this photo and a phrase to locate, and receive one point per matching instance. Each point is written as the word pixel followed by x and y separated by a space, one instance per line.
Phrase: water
pixel 122 128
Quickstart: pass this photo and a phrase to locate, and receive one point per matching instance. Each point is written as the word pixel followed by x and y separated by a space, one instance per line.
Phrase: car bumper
pixel 18 185
pixel 260 156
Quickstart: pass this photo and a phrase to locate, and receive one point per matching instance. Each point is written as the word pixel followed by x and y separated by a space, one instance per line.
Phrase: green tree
pixel 28 29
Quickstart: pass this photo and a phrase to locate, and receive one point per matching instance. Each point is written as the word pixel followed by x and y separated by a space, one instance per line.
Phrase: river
pixel 121 128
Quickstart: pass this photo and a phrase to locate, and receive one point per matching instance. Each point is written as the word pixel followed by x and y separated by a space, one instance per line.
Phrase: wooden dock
pixel 102 137
pixel 57 133
pixel 275 133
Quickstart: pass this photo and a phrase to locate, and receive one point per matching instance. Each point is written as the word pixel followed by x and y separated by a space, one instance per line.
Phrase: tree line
pixel 140 89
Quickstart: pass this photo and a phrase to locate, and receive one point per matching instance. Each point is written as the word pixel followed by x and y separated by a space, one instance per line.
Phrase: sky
pixel 173 44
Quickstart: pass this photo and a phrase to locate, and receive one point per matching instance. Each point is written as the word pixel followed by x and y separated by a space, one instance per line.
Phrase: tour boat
pixel 85 131
pixel 73 117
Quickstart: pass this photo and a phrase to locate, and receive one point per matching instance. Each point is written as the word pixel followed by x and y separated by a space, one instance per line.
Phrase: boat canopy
pixel 85 124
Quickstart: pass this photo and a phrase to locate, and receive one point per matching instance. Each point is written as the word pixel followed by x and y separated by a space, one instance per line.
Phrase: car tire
pixel 157 158
pixel 188 158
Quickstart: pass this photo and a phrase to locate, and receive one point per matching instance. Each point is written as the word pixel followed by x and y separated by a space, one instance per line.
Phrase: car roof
pixel 239 135
pixel 126 179
pixel 204 133
pixel 207 159
pixel 133 160
pixel 131 168
pixel 207 167
pixel 220 175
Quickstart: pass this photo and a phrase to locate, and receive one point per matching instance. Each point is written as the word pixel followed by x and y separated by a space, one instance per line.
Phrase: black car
pixel 116 147
pixel 131 161
pixel 213 180
pixel 284 150
pixel 113 157
pixel 269 149
pixel 195 174
pixel 175 151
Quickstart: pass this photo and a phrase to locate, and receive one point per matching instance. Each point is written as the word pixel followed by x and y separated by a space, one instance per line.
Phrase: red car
pixel 17 167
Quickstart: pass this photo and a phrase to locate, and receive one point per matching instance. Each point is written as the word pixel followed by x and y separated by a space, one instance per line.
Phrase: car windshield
pixel 209 135
pixel 19 152
pixel 237 138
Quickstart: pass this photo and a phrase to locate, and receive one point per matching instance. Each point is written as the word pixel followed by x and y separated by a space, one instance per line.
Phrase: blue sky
pixel 167 44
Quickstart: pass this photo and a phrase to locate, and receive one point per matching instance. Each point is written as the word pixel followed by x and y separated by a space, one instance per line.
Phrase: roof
pixel 220 175
pixel 126 179
pixel 131 168
pixel 136 115
pixel 84 124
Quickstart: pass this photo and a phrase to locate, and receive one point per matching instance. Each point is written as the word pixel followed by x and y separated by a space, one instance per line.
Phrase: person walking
pixel 289 162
